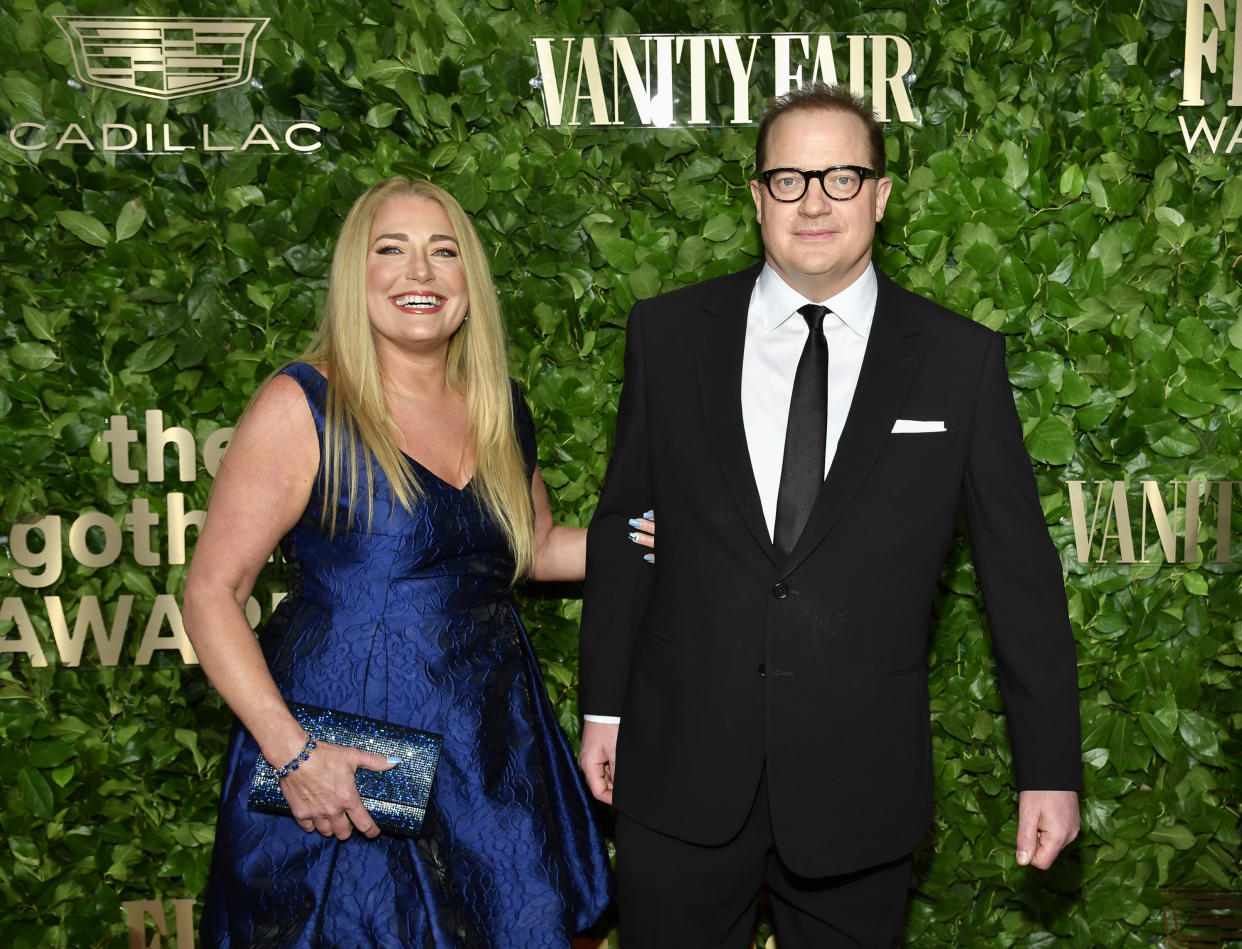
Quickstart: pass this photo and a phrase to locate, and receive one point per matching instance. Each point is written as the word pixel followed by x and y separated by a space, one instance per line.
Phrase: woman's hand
pixel 644 533
pixel 323 795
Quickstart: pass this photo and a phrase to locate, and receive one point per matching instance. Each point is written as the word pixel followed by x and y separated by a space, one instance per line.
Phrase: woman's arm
pixel 261 489
pixel 560 552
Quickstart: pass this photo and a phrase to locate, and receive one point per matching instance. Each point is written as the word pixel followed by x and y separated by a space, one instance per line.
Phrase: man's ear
pixel 756 193
pixel 883 188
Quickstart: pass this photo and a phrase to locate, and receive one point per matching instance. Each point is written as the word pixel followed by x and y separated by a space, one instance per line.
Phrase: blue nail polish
pixel 635 522
pixel 393 759
pixel 633 535
pixel 650 558
pixel 649 515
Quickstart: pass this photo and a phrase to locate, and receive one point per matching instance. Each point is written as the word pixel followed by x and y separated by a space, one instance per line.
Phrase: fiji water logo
pixel 162 57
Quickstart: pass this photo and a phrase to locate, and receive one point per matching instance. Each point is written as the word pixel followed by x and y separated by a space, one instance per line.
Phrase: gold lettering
pixel 178 520
pixel 1237 135
pixel 1153 501
pixel 652 99
pixel 89 619
pixel 1224 518
pixel 740 74
pixel 159 438
pixel 1119 506
pixel 183 911
pixel 21 127
pixel 553 92
pixel 208 147
pixel 784 79
pixel 1200 49
pixel 824 68
pixel 169 146
pixel 588 63
pixel 13 610
pixel 259 135
pixel 141 520
pixel 303 127
pixel 110 127
pixel 78 532
pixel 165 611
pixel 1202 129
pixel 1190 538
pixel 698 73
pixel 74 135
pixel 895 81
pixel 47 558
pixel 1236 81
pixel 136 912
pixel 858 60
pixel 213 449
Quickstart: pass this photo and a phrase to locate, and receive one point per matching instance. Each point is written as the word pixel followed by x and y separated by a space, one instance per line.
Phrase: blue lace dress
pixel 413 622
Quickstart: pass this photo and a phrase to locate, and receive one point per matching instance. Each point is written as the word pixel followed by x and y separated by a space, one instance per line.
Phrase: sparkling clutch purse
pixel 396 799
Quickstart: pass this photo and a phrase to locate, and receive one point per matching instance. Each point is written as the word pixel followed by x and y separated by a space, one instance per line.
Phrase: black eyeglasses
pixel 840 182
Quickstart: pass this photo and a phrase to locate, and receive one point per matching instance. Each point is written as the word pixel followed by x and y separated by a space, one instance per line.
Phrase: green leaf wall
pixel 1045 190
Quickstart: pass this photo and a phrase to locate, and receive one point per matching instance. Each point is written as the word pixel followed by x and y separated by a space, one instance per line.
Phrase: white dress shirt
pixel 775 335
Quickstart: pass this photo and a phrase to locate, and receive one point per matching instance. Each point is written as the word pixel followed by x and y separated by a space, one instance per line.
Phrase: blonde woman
pixel 395 466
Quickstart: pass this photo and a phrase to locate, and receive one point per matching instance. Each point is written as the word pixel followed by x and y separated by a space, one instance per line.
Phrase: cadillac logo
pixel 162 58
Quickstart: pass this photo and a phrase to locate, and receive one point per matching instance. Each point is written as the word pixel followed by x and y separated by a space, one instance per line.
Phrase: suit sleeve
pixel 618 581
pixel 1020 576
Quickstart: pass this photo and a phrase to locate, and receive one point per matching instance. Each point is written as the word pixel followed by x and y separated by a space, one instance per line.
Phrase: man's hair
pixel 818 95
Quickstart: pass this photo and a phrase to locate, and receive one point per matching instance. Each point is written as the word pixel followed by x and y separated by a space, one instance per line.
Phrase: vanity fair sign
pixel 664 80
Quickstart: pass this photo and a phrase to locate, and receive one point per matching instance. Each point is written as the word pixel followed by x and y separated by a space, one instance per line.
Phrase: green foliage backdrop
pixel 1045 191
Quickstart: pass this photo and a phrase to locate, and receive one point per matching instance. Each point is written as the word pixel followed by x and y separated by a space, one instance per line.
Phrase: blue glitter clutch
pixel 396 799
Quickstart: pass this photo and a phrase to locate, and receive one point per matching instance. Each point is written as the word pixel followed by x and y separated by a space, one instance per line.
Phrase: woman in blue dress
pixel 395 467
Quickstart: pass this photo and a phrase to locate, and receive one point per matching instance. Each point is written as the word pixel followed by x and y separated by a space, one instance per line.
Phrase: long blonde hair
pixel 357 416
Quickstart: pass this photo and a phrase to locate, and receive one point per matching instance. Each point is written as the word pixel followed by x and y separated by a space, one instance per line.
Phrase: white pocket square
pixel 912 426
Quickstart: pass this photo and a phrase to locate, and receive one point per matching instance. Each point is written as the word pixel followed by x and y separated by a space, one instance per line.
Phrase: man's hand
pixel 1047 821
pixel 597 756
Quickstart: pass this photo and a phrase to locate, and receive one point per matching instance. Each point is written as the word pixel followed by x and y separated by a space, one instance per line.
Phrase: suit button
pixel 780 591
pixel 762 670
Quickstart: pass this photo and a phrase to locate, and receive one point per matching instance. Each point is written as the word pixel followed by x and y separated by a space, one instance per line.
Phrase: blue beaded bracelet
pixel 311 745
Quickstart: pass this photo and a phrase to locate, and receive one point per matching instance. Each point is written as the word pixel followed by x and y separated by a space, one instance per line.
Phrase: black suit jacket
pixel 726 658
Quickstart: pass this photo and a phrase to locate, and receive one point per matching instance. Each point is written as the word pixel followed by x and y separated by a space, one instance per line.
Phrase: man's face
pixel 819 246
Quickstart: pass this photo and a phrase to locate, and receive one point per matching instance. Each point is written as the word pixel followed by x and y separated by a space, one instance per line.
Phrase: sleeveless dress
pixel 414 622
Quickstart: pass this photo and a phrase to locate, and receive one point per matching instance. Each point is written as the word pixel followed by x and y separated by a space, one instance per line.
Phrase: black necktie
pixel 806 435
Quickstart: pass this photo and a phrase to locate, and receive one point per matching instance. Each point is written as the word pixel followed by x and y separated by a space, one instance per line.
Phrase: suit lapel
pixel 895 348
pixel 719 351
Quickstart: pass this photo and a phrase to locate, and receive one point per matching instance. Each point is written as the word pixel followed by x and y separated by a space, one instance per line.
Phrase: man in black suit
pixel 809 434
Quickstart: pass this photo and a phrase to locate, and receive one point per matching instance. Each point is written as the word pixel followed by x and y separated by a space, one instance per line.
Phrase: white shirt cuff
pixel 603 719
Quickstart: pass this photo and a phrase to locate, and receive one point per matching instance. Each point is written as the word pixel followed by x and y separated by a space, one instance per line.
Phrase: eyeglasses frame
pixel 808 176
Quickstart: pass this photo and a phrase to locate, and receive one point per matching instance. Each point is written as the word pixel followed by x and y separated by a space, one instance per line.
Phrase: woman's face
pixel 416 280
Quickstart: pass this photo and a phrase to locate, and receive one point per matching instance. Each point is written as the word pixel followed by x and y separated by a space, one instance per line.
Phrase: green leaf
pixel 720 227
pixel 1199 733
pixel 129 222
pixel 152 354
pixel 42 323
pixel 1052 441
pixel 381 115
pixel 1177 836
pixel 1195 584
pixel 36 792
pixel 84 227
pixel 1072 181
pixel 33 356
